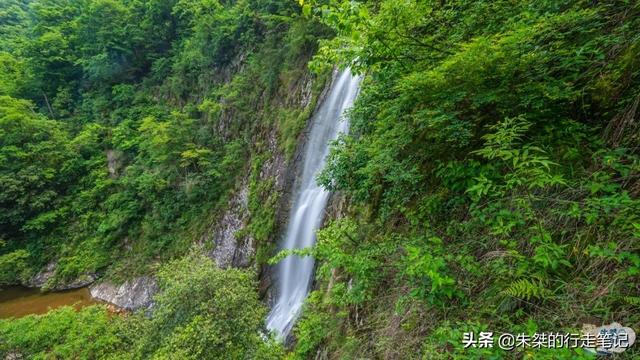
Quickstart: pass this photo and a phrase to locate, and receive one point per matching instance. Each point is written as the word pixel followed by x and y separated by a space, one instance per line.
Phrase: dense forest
pixel 490 178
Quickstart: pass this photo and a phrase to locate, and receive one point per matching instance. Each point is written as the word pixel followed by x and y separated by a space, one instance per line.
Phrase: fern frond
pixel 527 289
pixel 632 300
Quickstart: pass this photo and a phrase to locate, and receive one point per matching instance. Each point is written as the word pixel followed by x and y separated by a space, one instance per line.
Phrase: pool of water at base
pixel 18 301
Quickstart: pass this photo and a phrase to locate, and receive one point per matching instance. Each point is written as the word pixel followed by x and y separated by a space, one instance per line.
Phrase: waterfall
pixel 294 273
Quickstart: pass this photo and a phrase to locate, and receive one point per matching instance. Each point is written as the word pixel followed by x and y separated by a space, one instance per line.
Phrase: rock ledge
pixel 134 294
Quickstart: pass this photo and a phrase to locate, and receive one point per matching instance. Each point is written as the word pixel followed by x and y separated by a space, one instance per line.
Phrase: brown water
pixel 18 301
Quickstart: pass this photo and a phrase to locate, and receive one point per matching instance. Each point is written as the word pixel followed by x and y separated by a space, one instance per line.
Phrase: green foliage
pixel 423 266
pixel 13 267
pixel 35 167
pixel 491 168
pixel 64 333
pixel 262 204
pixel 338 246
pixel 201 312
pixel 204 312
pixel 445 343
pixel 494 127
pixel 314 328
pixel 11 73
pixel 124 126
pixel 126 123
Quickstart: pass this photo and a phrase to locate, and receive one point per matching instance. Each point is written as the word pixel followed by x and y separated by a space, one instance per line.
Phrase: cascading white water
pixel 294 273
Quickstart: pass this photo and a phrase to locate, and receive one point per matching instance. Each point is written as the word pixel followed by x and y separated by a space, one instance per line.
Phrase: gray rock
pixel 41 278
pixel 306 93
pixel 113 163
pixel 13 355
pixel 45 277
pixel 81 281
pixel 229 249
pixel 275 167
pixel 134 294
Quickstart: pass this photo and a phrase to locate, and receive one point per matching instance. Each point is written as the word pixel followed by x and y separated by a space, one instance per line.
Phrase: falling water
pixel 294 273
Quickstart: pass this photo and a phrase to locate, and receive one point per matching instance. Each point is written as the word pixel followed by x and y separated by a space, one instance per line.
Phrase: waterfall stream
pixel 294 273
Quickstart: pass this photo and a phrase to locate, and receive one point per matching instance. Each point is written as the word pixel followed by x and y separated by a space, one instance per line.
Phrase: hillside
pixel 488 181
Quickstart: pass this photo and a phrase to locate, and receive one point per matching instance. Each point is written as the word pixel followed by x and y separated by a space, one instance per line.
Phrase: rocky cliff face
pixel 231 246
